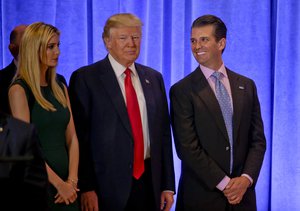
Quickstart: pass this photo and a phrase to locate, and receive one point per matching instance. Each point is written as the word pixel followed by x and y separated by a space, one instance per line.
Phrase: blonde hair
pixel 32 54
pixel 120 20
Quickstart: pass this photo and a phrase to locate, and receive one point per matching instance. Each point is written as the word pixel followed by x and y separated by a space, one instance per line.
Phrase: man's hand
pixel 236 189
pixel 166 200
pixel 89 201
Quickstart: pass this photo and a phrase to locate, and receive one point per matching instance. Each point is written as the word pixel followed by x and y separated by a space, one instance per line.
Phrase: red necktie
pixel 136 126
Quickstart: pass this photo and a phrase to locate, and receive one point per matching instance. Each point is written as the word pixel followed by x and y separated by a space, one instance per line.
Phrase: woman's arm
pixel 18 103
pixel 65 191
pixel 73 147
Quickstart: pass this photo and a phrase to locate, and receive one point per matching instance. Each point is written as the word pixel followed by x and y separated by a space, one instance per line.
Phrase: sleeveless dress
pixel 51 127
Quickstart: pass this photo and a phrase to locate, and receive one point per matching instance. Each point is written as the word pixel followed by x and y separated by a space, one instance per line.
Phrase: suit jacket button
pixel 227 148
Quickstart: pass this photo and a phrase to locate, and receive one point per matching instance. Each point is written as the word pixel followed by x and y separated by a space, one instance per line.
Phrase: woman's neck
pixel 43 81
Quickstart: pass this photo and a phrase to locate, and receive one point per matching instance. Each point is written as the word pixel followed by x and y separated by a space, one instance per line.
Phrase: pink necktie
pixel 136 126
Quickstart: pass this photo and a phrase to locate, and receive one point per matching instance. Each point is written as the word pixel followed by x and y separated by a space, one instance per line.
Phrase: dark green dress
pixel 51 127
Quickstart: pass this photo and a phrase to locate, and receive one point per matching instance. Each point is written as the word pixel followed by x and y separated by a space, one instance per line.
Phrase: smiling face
pixel 205 48
pixel 124 44
pixel 52 51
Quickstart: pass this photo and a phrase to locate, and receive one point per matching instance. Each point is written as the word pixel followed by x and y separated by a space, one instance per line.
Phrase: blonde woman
pixel 37 97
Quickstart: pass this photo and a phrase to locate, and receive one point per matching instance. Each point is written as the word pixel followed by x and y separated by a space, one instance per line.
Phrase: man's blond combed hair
pixel 120 20
pixel 32 55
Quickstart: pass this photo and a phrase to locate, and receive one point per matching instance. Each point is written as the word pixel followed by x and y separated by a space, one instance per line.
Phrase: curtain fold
pixel 262 43
pixel 286 125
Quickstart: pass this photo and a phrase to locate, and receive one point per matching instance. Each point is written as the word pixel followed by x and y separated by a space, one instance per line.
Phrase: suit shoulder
pixel 147 68
pixel 9 67
pixel 4 70
pixel 185 82
pixel 8 72
pixel 240 77
pixel 89 69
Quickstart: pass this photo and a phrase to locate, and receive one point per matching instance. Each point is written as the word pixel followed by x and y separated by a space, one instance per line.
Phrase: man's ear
pixel 222 43
pixel 14 50
pixel 107 42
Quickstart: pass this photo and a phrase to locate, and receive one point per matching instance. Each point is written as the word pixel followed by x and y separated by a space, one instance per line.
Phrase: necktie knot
pixel 127 72
pixel 217 75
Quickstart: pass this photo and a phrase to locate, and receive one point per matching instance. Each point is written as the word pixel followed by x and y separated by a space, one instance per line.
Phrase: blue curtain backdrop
pixel 263 44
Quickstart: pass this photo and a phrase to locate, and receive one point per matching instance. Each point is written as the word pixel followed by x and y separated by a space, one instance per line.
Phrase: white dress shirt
pixel 119 72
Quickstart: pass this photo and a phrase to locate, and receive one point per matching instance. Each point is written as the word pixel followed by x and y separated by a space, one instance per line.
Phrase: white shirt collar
pixel 118 68
pixel 16 62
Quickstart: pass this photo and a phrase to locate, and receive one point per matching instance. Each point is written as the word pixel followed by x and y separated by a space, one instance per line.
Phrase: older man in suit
pixel 218 129
pixel 7 74
pixel 122 121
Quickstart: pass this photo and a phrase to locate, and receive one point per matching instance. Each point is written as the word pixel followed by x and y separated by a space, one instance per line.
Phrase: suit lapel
pixel 111 85
pixel 204 91
pixel 146 83
pixel 238 89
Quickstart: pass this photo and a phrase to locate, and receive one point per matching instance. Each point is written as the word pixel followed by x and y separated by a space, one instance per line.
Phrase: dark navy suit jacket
pixel 105 138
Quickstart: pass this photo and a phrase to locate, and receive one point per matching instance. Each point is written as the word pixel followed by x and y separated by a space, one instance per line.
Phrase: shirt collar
pixel 208 72
pixel 16 62
pixel 118 68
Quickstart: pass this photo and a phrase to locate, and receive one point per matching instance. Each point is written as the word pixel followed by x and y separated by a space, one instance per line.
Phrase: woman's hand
pixel 66 193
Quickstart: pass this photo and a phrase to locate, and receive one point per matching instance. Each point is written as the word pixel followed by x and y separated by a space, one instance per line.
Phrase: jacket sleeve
pixel 80 103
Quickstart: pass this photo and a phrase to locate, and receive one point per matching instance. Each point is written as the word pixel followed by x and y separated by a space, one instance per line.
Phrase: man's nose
pixel 131 41
pixel 199 44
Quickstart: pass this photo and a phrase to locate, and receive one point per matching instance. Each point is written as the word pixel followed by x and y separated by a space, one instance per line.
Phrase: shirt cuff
pixel 249 178
pixel 224 182
pixel 169 191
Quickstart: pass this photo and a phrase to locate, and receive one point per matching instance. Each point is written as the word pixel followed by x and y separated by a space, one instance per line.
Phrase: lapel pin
pixel 241 87
pixel 148 82
pixel 1 129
